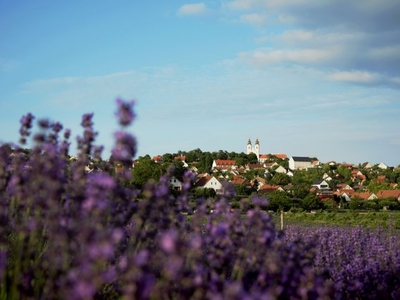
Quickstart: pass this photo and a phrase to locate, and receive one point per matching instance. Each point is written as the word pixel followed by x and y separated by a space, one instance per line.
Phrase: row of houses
pixel 321 187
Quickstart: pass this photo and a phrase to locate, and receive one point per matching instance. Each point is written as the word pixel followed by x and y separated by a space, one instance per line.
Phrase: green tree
pixel 179 169
pixel 145 169
pixel 311 202
pixel 279 201
pixel 306 176
pixel 205 162
pixel 356 203
pixel 280 179
pixel 345 173
pixel 242 190
pixel 252 158
pixel 167 158
pixel 301 190
pixel 375 186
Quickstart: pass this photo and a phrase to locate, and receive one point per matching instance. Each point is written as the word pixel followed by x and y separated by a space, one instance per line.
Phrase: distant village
pixel 272 173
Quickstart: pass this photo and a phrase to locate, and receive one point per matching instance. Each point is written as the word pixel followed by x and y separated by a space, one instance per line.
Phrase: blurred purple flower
pixel 26 125
pixel 102 250
pixel 142 258
pixel 125 147
pixel 125 112
pixel 57 127
pixel 168 241
pixel 87 120
pixel 83 290
pixel 101 180
pixel 26 121
pixel 67 133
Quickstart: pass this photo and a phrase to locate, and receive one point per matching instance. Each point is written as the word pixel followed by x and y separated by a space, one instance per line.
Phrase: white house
pixel 382 166
pixel 299 163
pixel 321 185
pixel 280 169
pixel 175 183
pixel 209 182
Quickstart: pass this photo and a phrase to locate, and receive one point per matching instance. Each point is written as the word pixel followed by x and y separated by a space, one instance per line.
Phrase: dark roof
pixel 301 158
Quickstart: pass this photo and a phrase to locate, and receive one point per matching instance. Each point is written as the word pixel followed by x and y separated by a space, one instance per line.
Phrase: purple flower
pixel 168 241
pixel 26 125
pixel 87 120
pixel 101 180
pixel 26 121
pixel 67 133
pixel 125 147
pixel 125 112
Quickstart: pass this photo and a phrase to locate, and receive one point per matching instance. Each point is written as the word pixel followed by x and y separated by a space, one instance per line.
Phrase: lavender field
pixel 68 234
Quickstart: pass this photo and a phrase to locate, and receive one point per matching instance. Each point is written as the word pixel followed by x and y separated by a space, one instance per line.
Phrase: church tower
pixel 255 150
pixel 249 147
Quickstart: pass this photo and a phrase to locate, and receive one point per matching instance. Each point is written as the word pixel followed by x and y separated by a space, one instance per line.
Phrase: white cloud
pixel 192 9
pixel 386 52
pixel 243 4
pixel 8 65
pixel 396 80
pixel 253 19
pixel 304 56
pixel 355 77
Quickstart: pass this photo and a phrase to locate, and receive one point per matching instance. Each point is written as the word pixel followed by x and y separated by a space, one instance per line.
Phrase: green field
pixel 383 219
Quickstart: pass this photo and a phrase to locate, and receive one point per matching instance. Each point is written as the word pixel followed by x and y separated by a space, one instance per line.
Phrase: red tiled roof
pixel 202 181
pixel 349 192
pixel 182 158
pixel 157 158
pixel 388 194
pixel 255 166
pixel 268 188
pixel 239 180
pixel 362 195
pixel 225 162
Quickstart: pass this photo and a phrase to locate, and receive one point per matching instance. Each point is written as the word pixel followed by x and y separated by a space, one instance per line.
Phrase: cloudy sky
pixel 316 78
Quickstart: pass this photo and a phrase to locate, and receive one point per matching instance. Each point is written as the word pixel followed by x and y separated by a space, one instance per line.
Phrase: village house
pixel 364 196
pixel 224 165
pixel 386 194
pixel 366 165
pixel 158 159
pixel 269 188
pixel 182 159
pixel 175 183
pixel 300 163
pixel 210 182
pixel 382 166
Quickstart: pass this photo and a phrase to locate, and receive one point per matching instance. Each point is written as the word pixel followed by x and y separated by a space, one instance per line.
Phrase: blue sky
pixel 316 78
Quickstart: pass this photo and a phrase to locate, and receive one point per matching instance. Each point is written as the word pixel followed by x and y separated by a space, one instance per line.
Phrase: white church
pixel 255 149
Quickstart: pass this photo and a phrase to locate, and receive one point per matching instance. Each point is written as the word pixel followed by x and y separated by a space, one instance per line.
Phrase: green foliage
pixel 204 193
pixel 146 169
pixel 306 176
pixel 242 190
pixel 345 173
pixel 280 179
pixel 356 203
pixel 390 204
pixel 311 202
pixel 382 219
pixel 279 201
pixel 375 186
pixel 301 190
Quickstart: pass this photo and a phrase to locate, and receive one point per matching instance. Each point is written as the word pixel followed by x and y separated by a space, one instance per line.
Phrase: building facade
pixel 255 149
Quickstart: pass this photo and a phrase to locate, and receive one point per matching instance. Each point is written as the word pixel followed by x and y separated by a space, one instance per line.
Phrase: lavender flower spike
pixel 125 112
